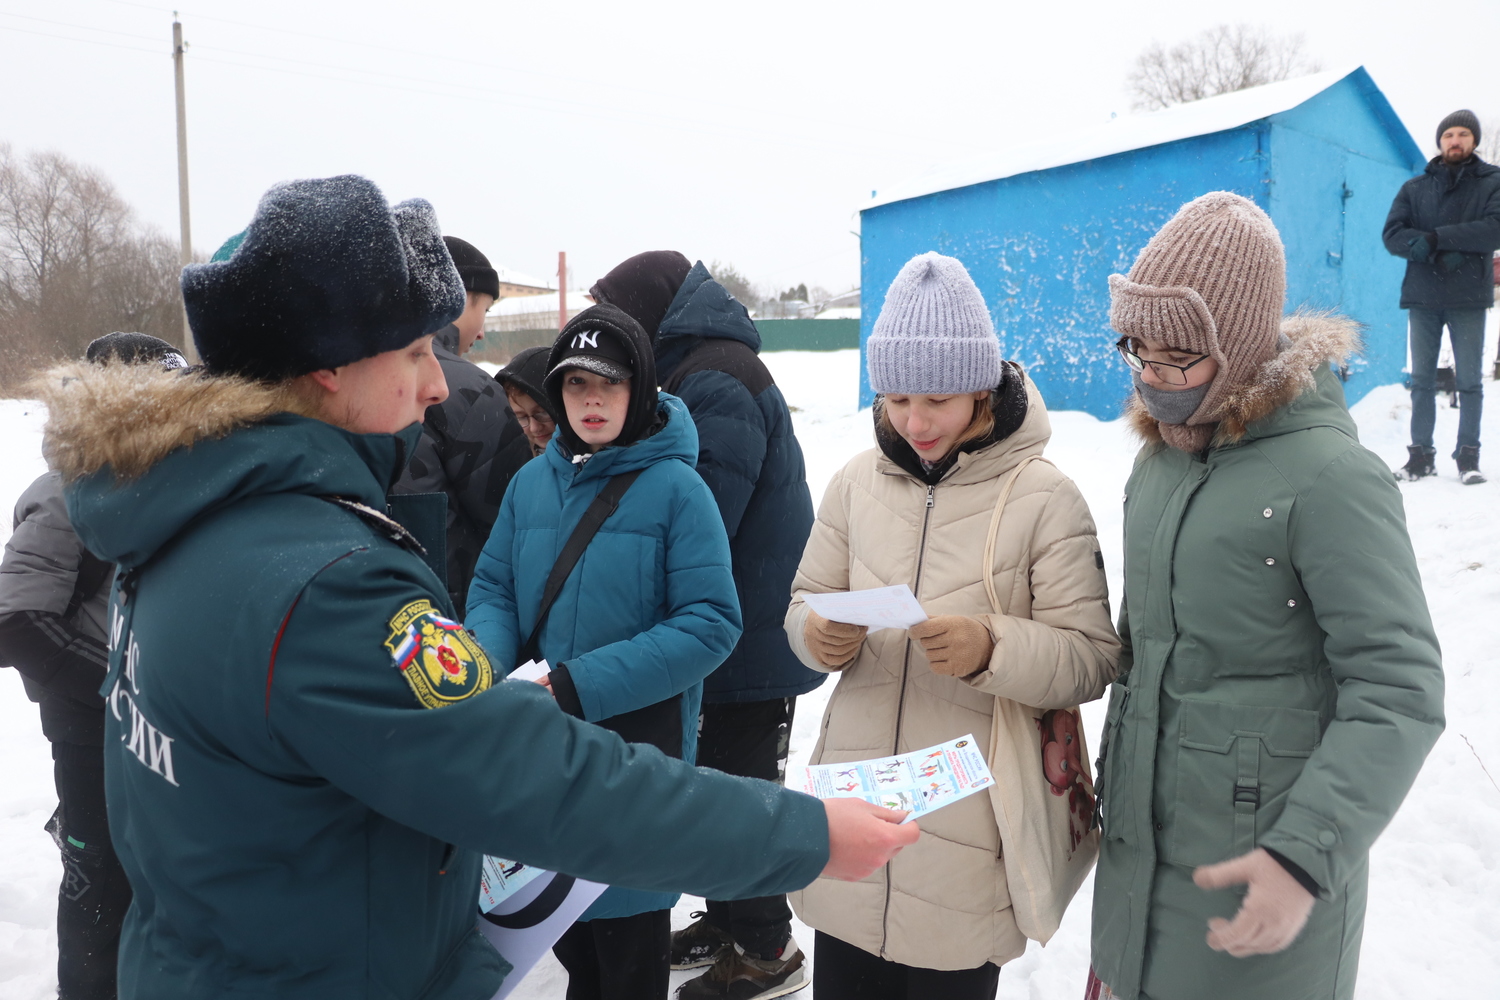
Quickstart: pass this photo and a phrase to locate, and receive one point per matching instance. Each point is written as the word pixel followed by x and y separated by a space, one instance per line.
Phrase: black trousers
pixel 94 894
pixel 844 972
pixel 626 958
pixel 749 739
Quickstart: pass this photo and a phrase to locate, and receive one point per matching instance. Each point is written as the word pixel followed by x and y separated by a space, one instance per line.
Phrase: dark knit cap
pixel 1463 118
pixel 473 267
pixel 621 337
pixel 526 372
pixel 134 349
pixel 644 286
pixel 326 274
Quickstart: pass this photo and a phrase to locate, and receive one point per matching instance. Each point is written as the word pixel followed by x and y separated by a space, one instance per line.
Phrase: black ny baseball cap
pixel 597 349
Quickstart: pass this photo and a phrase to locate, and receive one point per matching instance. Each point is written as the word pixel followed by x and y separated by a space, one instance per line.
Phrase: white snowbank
pixel 1435 875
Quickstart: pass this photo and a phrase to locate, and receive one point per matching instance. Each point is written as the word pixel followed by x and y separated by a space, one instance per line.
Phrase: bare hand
pixel 832 643
pixel 1273 913
pixel 862 837
pixel 546 682
pixel 956 645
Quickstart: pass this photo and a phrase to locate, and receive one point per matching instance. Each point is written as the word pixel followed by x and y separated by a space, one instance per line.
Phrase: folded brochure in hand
pixel 882 607
pixel 918 782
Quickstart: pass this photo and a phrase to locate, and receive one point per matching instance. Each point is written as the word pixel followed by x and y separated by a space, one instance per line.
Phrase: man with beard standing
pixel 1446 224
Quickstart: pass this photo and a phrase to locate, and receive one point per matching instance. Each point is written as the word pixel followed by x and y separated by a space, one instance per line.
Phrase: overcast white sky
pixel 747 133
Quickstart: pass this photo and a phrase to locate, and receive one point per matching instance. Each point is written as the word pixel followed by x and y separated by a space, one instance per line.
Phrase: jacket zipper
pixel 916 590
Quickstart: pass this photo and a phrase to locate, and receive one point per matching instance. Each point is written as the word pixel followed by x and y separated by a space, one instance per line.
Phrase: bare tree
pixel 738 285
pixel 74 264
pixel 1489 144
pixel 1220 60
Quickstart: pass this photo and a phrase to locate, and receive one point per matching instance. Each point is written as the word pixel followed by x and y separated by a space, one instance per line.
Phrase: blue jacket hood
pixel 702 308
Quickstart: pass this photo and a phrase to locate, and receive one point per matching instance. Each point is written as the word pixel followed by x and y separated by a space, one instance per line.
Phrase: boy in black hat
pixel 465 436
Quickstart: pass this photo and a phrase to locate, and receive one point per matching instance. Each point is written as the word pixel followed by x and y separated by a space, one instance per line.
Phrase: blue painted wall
pixel 1042 245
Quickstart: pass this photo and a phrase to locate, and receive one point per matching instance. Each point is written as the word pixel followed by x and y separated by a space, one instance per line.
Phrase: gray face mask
pixel 1171 407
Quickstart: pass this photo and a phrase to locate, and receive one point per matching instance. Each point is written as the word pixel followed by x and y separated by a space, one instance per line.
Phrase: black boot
pixel 1468 465
pixel 1420 462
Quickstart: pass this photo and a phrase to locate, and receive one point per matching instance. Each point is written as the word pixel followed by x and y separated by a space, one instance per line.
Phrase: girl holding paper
pixel 999 548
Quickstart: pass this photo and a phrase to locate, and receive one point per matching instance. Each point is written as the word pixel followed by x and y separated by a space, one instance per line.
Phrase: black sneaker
pixel 1468 465
pixel 737 976
pixel 698 944
pixel 1420 463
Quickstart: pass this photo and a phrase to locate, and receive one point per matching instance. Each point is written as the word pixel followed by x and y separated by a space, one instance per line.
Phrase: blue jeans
pixel 1466 334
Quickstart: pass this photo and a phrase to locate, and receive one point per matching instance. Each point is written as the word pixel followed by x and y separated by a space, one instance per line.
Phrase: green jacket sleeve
pixel 1350 547
pixel 505 772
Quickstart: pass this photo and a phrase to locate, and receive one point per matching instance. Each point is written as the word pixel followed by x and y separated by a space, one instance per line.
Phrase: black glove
pixel 1452 260
pixel 1420 247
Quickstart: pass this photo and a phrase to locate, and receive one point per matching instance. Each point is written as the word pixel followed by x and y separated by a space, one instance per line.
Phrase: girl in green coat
pixel 1281 683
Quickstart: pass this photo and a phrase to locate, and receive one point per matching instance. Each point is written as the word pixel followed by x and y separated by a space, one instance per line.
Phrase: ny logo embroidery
pixel 586 338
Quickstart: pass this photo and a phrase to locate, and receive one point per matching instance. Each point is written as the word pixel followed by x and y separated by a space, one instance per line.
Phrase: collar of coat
pixel 1317 339
pixel 1021 428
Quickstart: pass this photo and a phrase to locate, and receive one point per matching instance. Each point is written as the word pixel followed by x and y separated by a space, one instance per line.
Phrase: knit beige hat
pixel 1211 281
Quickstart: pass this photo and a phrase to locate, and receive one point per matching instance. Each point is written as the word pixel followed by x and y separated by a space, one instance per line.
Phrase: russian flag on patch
pixel 407 650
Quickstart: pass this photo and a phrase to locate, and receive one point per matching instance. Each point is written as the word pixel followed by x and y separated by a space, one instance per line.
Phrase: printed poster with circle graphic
pixel 918 782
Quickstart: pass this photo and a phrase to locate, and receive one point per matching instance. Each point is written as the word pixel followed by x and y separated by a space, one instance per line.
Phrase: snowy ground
pixel 1434 911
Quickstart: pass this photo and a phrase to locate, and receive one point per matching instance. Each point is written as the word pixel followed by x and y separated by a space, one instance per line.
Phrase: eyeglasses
pixel 1169 373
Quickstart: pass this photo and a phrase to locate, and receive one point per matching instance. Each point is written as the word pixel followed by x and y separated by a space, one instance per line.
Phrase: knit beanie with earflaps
pixel 933 335
pixel 1211 281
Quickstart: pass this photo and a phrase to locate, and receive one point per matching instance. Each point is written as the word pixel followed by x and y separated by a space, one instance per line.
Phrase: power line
pixel 86 41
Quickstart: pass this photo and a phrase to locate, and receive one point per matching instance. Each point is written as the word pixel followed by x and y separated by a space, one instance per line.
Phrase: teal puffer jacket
pixel 1280 688
pixel 294 820
pixel 649 611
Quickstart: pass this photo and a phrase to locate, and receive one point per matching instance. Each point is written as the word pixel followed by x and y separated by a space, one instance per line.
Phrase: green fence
pixel 808 334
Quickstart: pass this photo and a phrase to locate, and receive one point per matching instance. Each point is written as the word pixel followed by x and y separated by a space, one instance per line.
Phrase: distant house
pixel 1042 226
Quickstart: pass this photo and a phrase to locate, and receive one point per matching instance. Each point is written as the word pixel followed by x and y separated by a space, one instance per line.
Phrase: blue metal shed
pixel 1042 227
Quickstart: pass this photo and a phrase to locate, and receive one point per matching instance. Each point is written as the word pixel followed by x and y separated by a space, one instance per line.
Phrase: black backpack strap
pixel 93 573
pixel 721 354
pixel 593 519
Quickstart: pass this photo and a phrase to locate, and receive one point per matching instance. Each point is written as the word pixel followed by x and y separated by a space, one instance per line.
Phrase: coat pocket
pixel 1111 777
pixel 1236 764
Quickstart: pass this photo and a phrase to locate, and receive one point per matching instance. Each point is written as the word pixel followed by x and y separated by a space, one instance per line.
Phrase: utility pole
pixel 182 177
pixel 562 289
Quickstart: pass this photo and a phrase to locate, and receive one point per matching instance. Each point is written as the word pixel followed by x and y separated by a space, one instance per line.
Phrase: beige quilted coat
pixel 943 903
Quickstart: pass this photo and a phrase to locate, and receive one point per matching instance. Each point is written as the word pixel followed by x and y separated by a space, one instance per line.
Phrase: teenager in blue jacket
pixel 648 612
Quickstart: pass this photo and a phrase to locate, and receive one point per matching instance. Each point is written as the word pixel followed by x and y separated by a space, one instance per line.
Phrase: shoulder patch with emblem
pixel 439 659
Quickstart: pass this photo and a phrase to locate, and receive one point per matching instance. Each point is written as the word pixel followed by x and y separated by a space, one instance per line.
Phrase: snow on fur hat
pixel 933 334
pixel 1211 281
pixel 326 274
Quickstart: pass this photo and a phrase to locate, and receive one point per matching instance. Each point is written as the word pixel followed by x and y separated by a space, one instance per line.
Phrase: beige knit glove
pixel 956 645
pixel 831 643
pixel 1275 909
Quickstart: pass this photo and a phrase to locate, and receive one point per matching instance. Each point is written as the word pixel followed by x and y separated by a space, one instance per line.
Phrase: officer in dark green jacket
pixel 1281 683
pixel 294 818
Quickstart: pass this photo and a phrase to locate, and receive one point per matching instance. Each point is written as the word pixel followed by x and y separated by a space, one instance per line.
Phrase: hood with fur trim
pixel 1316 339
pixel 147 452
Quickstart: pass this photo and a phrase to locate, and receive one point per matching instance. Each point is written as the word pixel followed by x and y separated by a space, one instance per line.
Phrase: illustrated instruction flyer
pixel 918 782
pixel 882 607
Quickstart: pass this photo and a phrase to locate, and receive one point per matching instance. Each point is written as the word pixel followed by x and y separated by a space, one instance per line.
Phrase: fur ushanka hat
pixel 326 274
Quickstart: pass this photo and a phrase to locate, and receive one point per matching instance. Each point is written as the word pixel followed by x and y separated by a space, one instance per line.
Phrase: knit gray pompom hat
pixel 933 335
pixel 1211 281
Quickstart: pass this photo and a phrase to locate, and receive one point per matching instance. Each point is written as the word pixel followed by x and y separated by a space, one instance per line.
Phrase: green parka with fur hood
pixel 1280 686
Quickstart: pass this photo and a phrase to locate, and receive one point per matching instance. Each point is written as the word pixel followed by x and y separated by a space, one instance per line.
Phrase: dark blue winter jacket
pixel 648 612
pixel 748 455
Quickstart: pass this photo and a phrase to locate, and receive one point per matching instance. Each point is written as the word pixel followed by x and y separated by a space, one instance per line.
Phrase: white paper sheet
pixel 522 946
pixel 919 782
pixel 531 670
pixel 883 607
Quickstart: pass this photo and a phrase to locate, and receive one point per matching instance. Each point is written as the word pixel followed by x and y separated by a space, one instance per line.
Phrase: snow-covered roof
pixel 509 277
pixel 546 302
pixel 1119 135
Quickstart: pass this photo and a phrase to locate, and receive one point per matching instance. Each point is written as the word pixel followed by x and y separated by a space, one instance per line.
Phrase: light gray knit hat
pixel 934 334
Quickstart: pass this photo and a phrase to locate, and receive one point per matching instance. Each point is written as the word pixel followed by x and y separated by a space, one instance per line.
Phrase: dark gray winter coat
pixel 460 455
pixel 1463 208
pixel 54 597
pixel 706 353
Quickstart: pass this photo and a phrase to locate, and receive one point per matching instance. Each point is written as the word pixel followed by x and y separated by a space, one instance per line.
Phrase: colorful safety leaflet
pixel 918 782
